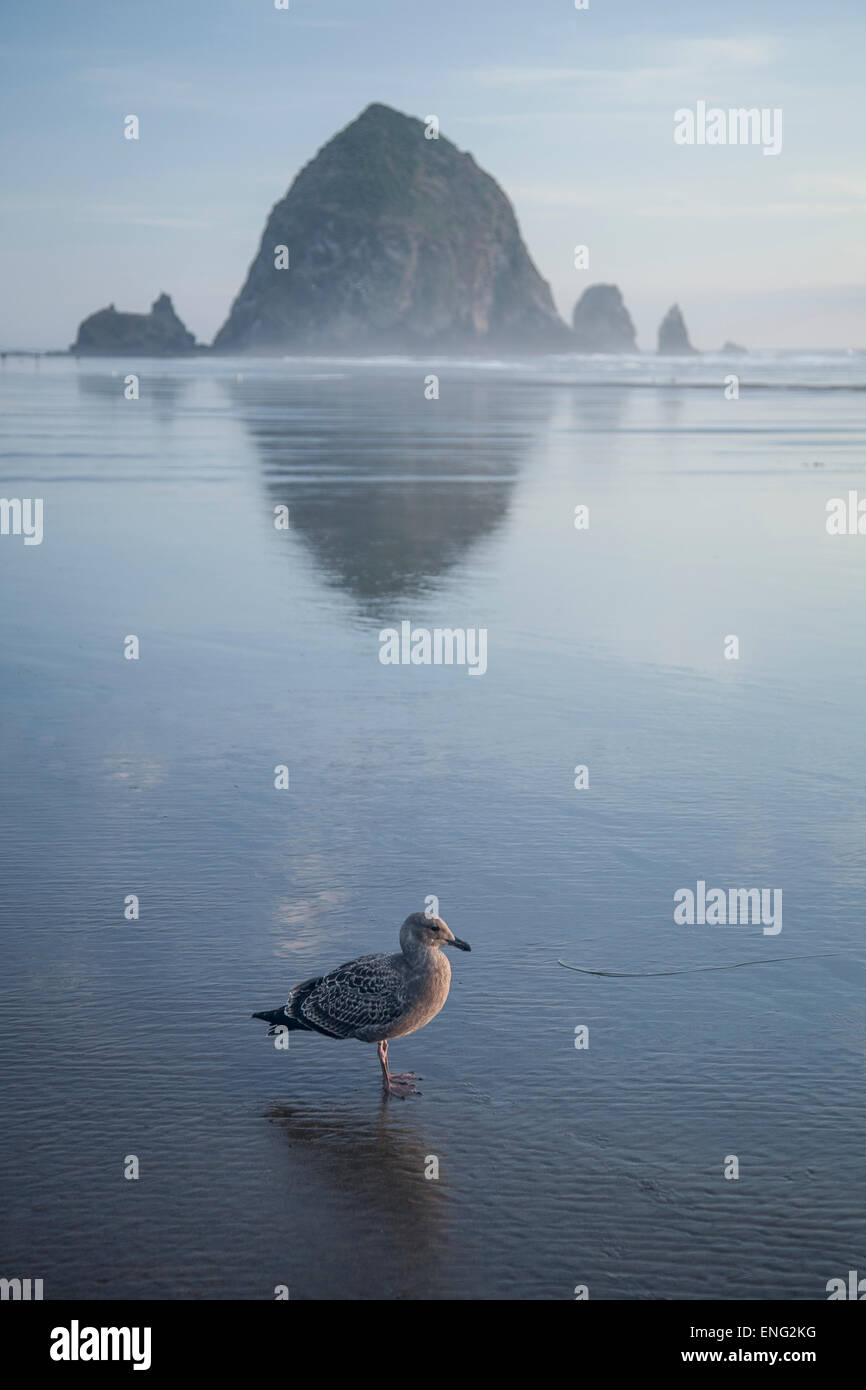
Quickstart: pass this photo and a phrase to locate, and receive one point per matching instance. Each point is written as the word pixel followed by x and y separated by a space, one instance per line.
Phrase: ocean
pixel 673 696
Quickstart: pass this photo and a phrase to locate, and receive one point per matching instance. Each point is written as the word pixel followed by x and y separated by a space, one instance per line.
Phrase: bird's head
pixel 430 933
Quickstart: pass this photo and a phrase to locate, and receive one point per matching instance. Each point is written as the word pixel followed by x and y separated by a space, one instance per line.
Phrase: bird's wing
pixel 365 993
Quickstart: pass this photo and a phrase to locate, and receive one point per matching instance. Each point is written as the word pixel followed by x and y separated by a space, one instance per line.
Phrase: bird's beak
pixel 461 945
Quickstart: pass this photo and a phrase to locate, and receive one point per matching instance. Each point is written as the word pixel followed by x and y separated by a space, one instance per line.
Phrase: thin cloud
pixel 742 212
pixel 121 215
pixel 700 55
pixel 142 83
pixel 681 60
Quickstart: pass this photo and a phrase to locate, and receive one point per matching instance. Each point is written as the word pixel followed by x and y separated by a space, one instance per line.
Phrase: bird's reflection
pixel 369 1171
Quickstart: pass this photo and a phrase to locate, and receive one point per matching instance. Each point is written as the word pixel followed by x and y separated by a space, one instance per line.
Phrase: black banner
pixel 158 1338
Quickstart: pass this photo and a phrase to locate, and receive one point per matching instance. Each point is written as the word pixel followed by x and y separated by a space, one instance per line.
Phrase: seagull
pixel 376 998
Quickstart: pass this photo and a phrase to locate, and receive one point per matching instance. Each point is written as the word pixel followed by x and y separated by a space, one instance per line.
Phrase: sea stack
pixel 673 337
pixel 389 241
pixel 601 322
pixel 157 334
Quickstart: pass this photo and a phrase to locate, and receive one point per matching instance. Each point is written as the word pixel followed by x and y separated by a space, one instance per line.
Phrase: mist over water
pixel 260 647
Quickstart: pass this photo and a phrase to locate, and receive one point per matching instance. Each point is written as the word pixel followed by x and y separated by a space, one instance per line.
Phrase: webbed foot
pixel 401 1084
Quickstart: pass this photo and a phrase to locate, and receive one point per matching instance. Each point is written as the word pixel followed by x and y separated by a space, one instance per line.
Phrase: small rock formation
pixel 673 337
pixel 157 334
pixel 601 322
pixel 734 350
pixel 394 243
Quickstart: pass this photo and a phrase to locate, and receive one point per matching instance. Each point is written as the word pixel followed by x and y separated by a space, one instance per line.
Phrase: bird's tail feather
pixel 277 1018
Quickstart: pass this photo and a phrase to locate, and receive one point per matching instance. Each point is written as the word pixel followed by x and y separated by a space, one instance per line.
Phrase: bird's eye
pixel 433 927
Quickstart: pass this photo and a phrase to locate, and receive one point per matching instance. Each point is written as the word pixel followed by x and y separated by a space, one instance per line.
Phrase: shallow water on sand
pixel 557 1166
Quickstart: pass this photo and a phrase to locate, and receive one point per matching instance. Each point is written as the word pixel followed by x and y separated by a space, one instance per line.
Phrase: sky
pixel 571 111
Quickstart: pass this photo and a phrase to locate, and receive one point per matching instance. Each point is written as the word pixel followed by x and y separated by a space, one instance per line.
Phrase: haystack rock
pixel 157 334
pixel 601 322
pixel 394 243
pixel 673 337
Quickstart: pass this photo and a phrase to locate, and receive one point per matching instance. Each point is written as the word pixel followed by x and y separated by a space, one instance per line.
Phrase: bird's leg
pixel 382 1050
pixel 398 1083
